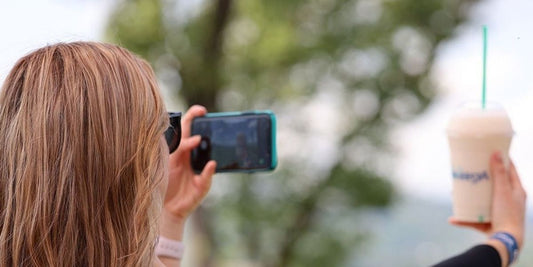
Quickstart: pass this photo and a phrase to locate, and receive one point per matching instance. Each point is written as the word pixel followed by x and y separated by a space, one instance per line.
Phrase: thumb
pixel 482 227
pixel 499 173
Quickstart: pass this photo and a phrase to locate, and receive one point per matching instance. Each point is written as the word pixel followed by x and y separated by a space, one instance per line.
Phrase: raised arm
pixel 185 190
pixel 508 215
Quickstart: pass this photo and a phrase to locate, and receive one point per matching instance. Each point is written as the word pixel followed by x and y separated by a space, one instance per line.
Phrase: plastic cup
pixel 474 134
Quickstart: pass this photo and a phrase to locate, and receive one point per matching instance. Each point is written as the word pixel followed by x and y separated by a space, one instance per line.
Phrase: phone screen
pixel 236 143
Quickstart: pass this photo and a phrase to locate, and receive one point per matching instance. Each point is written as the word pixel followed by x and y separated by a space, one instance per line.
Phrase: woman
pixel 506 231
pixel 85 173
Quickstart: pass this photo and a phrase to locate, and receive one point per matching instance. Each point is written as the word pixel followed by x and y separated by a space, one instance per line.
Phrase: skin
pixel 185 189
pixel 508 207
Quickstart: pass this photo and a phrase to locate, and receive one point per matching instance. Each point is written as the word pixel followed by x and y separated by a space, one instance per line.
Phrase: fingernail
pixel 498 156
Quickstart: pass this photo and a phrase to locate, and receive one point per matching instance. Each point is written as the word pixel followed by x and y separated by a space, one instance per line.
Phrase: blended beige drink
pixel 474 134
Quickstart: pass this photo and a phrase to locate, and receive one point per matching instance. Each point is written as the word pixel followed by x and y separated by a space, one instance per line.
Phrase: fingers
pixel 515 179
pixel 190 143
pixel 205 178
pixel 186 121
pixel 184 149
pixel 482 227
pixel 499 173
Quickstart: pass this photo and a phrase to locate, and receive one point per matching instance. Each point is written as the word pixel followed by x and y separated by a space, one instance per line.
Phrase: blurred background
pixel 362 90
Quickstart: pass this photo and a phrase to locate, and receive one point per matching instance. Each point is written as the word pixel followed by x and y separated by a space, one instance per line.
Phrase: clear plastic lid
pixel 472 119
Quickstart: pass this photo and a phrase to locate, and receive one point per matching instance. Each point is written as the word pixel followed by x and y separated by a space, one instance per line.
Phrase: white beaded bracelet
pixel 169 248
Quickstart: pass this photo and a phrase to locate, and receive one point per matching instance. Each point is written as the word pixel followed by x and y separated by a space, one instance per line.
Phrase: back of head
pixel 80 132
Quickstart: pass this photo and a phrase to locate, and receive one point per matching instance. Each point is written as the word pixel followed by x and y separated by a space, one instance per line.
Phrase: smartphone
pixel 237 141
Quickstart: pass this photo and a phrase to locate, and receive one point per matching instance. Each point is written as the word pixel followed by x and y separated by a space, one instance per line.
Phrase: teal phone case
pixel 274 160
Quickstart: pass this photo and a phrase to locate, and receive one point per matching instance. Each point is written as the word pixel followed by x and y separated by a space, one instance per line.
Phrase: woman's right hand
pixel 508 204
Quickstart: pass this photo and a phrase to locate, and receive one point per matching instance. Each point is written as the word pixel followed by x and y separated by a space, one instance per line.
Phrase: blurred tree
pixel 339 74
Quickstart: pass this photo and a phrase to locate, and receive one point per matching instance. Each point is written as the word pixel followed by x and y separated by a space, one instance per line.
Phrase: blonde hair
pixel 80 132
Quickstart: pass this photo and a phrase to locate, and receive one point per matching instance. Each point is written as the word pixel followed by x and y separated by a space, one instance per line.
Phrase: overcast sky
pixel 29 24
pixel 457 70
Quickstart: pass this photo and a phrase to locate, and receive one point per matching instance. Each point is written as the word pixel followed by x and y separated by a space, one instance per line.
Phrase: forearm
pixel 485 255
pixel 171 227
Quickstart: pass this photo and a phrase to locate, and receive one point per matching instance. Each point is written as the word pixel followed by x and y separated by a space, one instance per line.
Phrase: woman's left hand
pixel 186 189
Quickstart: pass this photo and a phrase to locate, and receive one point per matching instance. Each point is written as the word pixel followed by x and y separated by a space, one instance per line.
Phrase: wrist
pixel 169 248
pixel 515 232
pixel 507 246
pixel 171 226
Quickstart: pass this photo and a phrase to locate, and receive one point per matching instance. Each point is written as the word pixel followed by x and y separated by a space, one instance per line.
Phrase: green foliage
pixel 338 73
pixel 365 188
pixel 141 27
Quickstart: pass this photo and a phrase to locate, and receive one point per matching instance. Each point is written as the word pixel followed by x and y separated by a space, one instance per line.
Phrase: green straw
pixel 484 91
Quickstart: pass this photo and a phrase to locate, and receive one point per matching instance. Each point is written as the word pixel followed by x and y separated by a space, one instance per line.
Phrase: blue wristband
pixel 510 243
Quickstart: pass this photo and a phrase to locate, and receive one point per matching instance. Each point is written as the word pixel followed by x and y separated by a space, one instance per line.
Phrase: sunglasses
pixel 173 133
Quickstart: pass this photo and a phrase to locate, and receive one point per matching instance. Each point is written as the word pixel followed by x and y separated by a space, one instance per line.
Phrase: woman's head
pixel 80 132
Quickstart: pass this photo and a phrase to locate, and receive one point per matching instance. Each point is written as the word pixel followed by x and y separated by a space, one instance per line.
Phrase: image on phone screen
pixel 236 143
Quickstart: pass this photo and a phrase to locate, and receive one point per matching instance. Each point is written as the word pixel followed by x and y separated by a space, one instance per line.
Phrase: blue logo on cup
pixel 474 177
